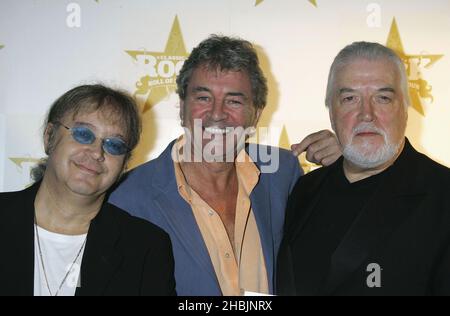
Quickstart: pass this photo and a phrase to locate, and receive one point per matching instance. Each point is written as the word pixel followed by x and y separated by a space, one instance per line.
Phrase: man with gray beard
pixel 377 221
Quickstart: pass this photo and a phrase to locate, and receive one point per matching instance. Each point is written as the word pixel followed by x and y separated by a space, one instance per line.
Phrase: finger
pixel 317 137
pixel 297 149
pixel 316 153
pixel 329 160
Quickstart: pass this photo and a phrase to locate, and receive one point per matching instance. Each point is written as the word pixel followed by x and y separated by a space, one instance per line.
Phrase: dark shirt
pixel 338 207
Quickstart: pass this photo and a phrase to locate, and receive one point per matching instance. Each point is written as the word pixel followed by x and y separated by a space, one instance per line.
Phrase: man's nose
pixel 96 150
pixel 366 110
pixel 217 112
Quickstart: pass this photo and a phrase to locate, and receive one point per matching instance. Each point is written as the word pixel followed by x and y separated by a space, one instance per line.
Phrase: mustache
pixel 367 128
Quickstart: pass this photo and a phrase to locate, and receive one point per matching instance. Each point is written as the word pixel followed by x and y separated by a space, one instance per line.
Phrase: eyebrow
pixel 237 94
pixel 200 89
pixel 94 128
pixel 345 90
pixel 386 89
pixel 232 94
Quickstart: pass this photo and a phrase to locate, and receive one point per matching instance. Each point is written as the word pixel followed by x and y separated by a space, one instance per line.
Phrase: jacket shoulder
pixel 273 160
pixel 137 228
pixel 10 202
pixel 311 178
pixel 431 172
pixel 10 196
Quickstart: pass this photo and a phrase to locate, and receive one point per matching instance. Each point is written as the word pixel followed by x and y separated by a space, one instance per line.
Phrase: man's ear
pixel 257 116
pixel 49 137
pixel 182 112
pixel 330 114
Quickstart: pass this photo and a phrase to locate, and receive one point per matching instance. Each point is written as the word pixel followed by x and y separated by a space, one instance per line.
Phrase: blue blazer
pixel 150 192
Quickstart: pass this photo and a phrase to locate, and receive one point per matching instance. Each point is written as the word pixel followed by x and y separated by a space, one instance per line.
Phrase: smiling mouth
pixel 218 130
pixel 86 169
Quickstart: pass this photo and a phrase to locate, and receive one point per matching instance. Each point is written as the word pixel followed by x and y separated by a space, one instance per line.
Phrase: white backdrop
pixel 50 46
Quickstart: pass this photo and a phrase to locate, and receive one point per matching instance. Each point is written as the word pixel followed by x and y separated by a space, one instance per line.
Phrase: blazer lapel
pixel 23 244
pixel 299 219
pixel 178 214
pixel 261 206
pixel 100 259
pixel 384 212
pixel 184 228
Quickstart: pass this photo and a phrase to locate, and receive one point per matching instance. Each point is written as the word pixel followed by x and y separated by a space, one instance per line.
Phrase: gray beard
pixel 359 156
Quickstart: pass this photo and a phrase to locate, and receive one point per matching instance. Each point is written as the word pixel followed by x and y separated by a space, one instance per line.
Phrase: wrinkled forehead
pixel 367 71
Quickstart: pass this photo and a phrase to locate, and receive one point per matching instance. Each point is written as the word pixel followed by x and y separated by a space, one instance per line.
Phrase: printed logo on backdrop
pixel 162 68
pixel 419 89
pixel 1 46
pixel 24 164
pixel 313 2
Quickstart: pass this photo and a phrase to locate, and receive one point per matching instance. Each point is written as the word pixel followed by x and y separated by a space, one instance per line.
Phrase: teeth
pixel 217 130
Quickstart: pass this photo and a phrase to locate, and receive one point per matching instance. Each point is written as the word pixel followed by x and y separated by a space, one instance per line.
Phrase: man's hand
pixel 321 148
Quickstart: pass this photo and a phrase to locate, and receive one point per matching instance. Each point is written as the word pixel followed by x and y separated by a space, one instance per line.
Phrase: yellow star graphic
pixel 19 161
pixel 313 2
pixel 418 88
pixel 160 81
pixel 284 141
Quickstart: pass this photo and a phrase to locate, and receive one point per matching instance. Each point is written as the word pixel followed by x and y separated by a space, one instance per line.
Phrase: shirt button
pixel 210 213
pixel 227 255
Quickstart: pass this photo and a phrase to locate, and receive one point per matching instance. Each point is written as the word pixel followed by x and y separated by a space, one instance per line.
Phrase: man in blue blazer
pixel 220 199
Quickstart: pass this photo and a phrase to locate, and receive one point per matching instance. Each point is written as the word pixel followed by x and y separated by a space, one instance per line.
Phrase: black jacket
pixel 124 255
pixel 404 228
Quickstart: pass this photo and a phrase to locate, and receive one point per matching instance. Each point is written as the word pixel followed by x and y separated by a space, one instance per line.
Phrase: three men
pixel 376 222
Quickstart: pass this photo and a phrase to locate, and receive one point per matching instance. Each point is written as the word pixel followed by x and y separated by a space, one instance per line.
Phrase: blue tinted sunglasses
pixel 112 145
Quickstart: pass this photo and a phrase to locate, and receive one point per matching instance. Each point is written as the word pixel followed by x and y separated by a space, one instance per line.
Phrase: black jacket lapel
pixel 100 259
pixel 294 224
pixel 301 218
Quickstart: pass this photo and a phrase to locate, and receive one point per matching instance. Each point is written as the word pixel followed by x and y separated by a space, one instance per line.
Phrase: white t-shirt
pixel 58 253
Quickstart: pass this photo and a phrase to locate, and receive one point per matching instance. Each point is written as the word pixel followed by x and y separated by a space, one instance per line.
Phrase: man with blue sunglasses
pixel 60 237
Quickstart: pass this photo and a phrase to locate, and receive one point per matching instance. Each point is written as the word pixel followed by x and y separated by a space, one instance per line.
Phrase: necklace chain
pixel 42 261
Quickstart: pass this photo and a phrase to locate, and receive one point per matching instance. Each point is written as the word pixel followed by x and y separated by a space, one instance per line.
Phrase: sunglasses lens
pixel 83 135
pixel 115 146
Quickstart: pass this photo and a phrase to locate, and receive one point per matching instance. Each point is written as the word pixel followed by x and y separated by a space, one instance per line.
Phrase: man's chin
pixel 220 156
pixel 368 144
pixel 369 156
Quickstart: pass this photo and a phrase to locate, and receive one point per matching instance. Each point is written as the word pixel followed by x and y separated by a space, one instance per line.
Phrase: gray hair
pixel 87 99
pixel 225 53
pixel 368 51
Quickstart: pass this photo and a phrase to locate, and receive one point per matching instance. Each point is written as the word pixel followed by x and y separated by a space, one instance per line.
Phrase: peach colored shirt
pixel 244 268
